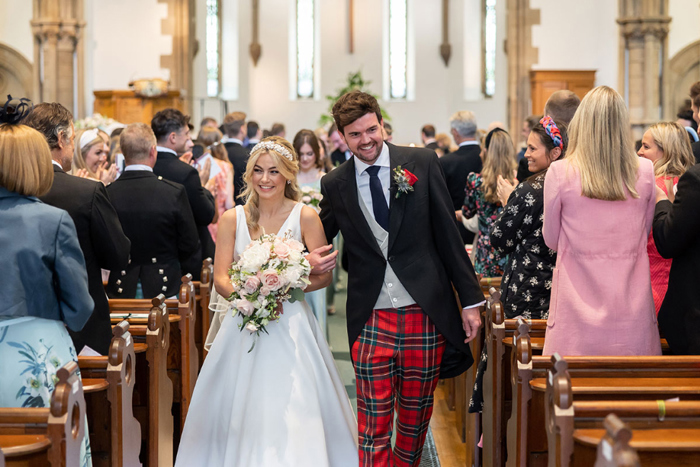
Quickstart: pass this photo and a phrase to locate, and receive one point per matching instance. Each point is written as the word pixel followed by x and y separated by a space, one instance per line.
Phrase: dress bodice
pixel 292 224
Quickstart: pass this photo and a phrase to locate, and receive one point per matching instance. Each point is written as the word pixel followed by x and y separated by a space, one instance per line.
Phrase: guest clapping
pixel 517 232
pixel 222 174
pixel 482 199
pixel 91 159
pixel 667 146
pixel 598 207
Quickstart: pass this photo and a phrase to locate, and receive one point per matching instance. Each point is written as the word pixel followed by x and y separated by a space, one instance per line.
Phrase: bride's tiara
pixel 270 146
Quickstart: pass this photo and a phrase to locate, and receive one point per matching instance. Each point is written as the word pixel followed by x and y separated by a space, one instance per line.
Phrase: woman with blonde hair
pixel 598 209
pixel 44 287
pixel 210 138
pixel 91 157
pixel 287 387
pixel 667 146
pixel 482 198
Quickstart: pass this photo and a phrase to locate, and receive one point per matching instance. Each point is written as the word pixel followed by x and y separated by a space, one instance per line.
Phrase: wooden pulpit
pixel 127 107
pixel 544 83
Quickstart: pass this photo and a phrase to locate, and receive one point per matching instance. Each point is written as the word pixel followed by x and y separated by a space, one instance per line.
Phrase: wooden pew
pixel 47 436
pixel 183 361
pixel 614 449
pixel 153 391
pixel 496 390
pixel 575 427
pixel 202 290
pixel 115 435
pixel 593 378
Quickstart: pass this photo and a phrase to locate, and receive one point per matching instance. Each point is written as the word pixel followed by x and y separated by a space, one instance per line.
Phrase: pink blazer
pixel 601 301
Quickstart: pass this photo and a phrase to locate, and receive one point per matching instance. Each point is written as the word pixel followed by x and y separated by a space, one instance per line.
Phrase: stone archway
pixel 16 76
pixel 683 70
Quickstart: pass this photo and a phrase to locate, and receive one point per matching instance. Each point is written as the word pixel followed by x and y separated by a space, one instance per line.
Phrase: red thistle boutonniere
pixel 404 181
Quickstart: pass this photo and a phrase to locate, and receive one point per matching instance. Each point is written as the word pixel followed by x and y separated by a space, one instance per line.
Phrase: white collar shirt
pixel 56 164
pixel 469 143
pixel 162 149
pixel 135 167
pixel 362 177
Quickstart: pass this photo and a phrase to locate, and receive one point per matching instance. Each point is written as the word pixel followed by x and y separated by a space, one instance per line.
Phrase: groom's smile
pixel 364 137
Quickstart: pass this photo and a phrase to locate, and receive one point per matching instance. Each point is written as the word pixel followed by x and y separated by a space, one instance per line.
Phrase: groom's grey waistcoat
pixel 393 293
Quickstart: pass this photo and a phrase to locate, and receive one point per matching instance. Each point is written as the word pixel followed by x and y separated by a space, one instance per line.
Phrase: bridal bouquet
pixel 311 197
pixel 271 270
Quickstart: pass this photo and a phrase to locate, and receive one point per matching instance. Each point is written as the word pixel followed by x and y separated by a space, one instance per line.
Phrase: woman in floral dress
pixel 482 199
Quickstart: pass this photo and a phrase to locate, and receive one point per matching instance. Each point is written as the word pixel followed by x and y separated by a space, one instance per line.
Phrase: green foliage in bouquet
pixel 355 81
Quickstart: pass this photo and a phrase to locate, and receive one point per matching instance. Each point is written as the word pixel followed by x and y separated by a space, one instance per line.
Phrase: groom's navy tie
pixel 381 210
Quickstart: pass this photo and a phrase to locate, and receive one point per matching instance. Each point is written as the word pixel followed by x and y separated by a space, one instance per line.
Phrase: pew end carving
pixel 614 449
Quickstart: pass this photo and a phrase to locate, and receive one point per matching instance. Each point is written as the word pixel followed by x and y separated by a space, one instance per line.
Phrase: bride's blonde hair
pixel 288 169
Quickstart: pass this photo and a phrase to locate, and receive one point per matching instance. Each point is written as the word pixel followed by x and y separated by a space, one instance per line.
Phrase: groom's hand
pixel 321 264
pixel 471 321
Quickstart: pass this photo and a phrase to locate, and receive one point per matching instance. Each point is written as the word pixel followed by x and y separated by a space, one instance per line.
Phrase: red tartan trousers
pixel 396 357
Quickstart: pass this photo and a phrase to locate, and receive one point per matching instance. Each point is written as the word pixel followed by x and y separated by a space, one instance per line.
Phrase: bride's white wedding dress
pixel 283 404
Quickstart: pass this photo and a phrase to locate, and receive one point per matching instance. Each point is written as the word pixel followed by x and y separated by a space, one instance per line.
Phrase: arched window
pixel 305 49
pixel 488 48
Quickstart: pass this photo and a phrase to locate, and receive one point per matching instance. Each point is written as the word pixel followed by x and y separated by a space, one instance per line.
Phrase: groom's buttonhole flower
pixel 404 180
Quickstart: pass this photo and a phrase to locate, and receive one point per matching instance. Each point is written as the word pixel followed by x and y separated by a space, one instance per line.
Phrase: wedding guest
pixel 157 218
pixel 481 199
pixel 598 208
pixel 517 234
pixel 667 146
pixel 444 144
pixel 254 134
pixel 278 130
pixel 208 122
pixel 685 119
pixel 460 163
pixel 561 106
pixel 210 138
pixel 695 107
pixel 100 235
pixel 677 236
pixel 235 130
pixel 44 286
pixel 528 125
pixel 388 131
pixel 115 153
pixel 172 131
pixel 91 158
pixel 308 149
pixel 341 153
pixel 427 136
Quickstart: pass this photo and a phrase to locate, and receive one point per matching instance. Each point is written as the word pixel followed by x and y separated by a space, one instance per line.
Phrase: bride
pixel 282 404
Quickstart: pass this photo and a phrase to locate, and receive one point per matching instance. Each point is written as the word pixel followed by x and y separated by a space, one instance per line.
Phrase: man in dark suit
pixel 172 130
pixel 676 231
pixel 235 130
pixel 155 215
pixel 100 234
pixel 254 134
pixel 427 135
pixel 341 152
pixel 695 105
pixel 460 163
pixel 405 255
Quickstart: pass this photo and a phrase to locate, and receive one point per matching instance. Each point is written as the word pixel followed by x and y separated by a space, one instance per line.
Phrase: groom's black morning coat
pixel 425 248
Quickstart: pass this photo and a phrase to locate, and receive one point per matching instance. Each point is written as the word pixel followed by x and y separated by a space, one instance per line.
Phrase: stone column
pixel 643 30
pixel 57 26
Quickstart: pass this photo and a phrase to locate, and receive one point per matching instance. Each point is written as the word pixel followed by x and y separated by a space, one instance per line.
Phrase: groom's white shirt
pixel 362 177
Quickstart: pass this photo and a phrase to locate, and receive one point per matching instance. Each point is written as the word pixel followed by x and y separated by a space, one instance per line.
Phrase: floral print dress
pixel 517 232
pixel 488 263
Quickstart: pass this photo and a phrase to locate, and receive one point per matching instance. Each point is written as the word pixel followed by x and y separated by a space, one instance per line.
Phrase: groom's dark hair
pixel 354 105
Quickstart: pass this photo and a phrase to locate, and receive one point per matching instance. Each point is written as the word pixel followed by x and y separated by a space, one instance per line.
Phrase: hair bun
pixel 15 110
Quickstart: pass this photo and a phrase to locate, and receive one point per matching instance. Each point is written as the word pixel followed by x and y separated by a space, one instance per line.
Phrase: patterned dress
pixel 488 263
pixel 517 232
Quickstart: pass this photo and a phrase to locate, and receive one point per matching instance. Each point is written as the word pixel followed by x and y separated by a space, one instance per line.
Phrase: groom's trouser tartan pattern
pixel 397 355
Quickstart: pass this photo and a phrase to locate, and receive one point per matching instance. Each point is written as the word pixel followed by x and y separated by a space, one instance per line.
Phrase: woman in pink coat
pixel 598 209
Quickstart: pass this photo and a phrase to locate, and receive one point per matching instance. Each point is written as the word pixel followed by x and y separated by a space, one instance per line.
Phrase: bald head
pixel 562 105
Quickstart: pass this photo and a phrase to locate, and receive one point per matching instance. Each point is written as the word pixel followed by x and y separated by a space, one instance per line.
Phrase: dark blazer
pixel 425 250
pixel 238 155
pixel 433 145
pixel 696 151
pixel 677 235
pixel 202 203
pixel 156 216
pixel 337 157
pixel 523 172
pixel 43 267
pixel 102 241
pixel 456 166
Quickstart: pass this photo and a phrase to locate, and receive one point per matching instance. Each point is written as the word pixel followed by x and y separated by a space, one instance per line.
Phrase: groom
pixel 404 255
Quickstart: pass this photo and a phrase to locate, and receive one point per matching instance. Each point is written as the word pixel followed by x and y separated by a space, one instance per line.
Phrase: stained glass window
pixel 305 42
pixel 398 49
pixel 213 48
pixel 489 48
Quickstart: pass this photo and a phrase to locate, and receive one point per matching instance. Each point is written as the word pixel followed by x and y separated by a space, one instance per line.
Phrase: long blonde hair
pixel 499 159
pixel 211 138
pixel 288 169
pixel 600 145
pixel 674 142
